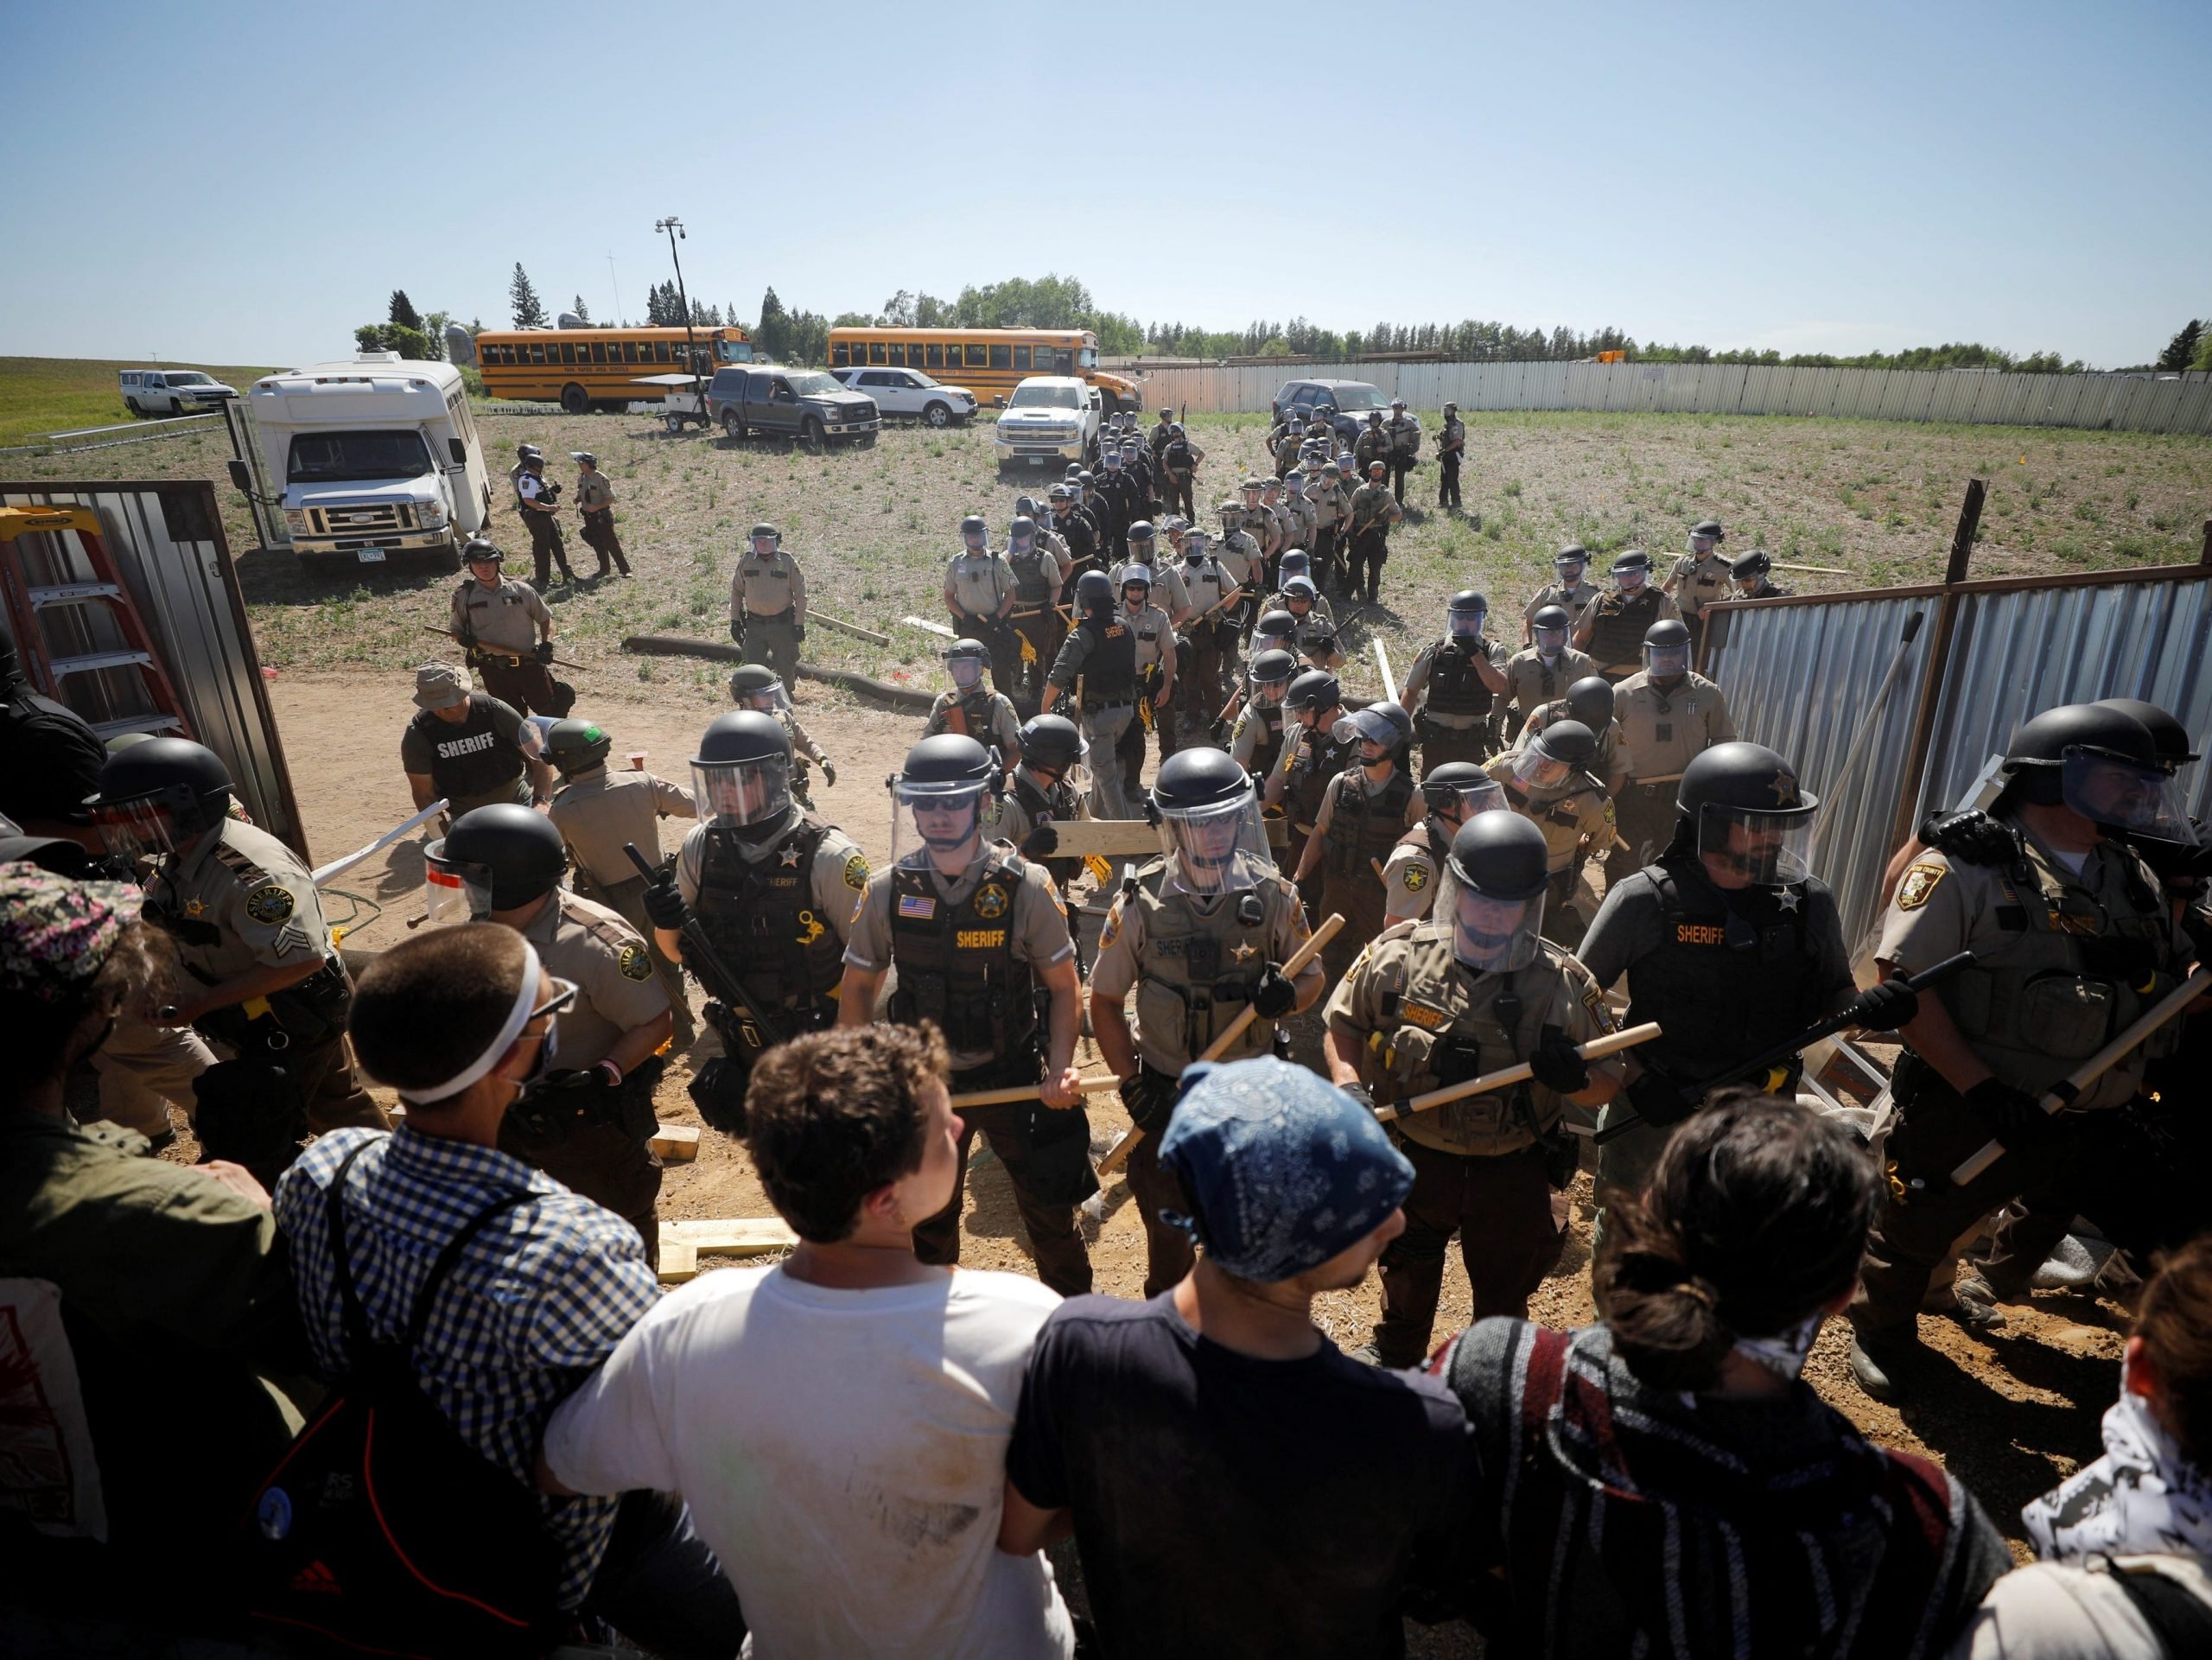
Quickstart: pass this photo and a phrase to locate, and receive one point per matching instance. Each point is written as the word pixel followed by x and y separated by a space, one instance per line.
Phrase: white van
pixel 377 456
pixel 173 391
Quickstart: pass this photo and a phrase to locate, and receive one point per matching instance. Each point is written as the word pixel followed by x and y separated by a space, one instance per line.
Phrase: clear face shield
pixel 145 827
pixel 1467 625
pixel 1217 849
pixel 2121 795
pixel 967 671
pixel 771 699
pixel 1269 694
pixel 1493 936
pixel 1376 738
pixel 1630 579
pixel 1702 545
pixel 1194 547
pixel 935 822
pixel 1570 571
pixel 1535 770
pixel 1759 850
pixel 1019 541
pixel 975 541
pixel 453 891
pixel 764 547
pixel 1550 642
pixel 1483 795
pixel 738 795
pixel 1666 663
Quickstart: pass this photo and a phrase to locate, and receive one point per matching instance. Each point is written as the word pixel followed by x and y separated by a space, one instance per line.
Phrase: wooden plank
pixel 1124 838
pixel 676 1144
pixel 730 1236
pixel 678 1262
pixel 852 628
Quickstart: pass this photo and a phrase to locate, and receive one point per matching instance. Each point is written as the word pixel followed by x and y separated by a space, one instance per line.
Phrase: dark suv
pixel 1346 401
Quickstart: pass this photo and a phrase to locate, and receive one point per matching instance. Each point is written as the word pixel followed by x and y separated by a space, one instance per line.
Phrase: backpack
pixel 381 1531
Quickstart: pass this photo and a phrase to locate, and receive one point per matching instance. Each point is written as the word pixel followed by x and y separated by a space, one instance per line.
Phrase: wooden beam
pixel 1962 538
pixel 678 1262
pixel 852 628
pixel 1123 838
pixel 730 1236
pixel 676 1144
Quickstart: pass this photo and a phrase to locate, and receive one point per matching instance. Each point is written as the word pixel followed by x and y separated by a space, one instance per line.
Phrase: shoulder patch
pixel 1918 884
pixel 634 963
pixel 856 873
pixel 269 903
pixel 1112 931
pixel 1414 875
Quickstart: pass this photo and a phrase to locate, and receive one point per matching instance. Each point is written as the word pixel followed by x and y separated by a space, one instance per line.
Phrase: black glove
pixel 1148 1100
pixel 1885 1007
pixel 545 651
pixel 573 1087
pixel 1040 844
pixel 664 904
pixel 1971 836
pixel 1276 994
pixel 2012 1116
pixel 828 770
pixel 467 639
pixel 737 630
pixel 798 630
pixel 1556 1065
pixel 1661 1100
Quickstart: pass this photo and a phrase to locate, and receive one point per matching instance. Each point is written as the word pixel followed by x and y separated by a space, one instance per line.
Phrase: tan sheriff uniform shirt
pixel 1332 504
pixel 1039 924
pixel 837 880
pixel 978 582
pixel 1569 815
pixel 1005 819
pixel 1155 634
pixel 1698 582
pixel 801 741
pixel 1572 601
pixel 1171 595
pixel 1409 877
pixel 578 939
pixel 1662 732
pixel 1208 583
pixel 598 811
pixel 1529 683
pixel 593 493
pixel 1493 652
pixel 983 715
pixel 768 588
pixel 254 891
pixel 1121 965
pixel 1238 555
pixel 507 617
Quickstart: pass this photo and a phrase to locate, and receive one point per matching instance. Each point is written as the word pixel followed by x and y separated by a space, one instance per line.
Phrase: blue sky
pixel 244 183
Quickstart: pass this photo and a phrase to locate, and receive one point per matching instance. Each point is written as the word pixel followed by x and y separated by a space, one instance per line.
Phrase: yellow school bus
pixel 988 362
pixel 598 368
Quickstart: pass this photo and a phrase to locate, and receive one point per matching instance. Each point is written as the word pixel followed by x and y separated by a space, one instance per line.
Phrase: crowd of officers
pixel 1464 949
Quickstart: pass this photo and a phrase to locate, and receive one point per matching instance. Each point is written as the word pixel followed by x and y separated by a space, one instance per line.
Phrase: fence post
pixel 2205 557
pixel 1962 538
pixel 1938 660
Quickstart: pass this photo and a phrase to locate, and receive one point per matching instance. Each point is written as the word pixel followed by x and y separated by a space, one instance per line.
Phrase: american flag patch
pixel 916 905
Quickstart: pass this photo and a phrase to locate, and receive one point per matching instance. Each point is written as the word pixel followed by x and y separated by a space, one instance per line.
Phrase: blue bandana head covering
pixel 1282 1169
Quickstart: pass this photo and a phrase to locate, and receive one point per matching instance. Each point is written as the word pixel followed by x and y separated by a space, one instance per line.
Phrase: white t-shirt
pixel 843 1452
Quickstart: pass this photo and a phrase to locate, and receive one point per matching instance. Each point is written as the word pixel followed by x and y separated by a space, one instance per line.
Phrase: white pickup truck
pixel 1049 418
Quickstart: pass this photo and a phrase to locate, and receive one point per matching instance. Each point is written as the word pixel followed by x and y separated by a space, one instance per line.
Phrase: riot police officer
pixel 1570 588
pixel 588 1122
pixel 1361 816
pixel 1332 517
pixel 1669 715
pixel 1453 793
pixel 506 634
pixel 1373 511
pixel 1313 756
pixel 1244 560
pixel 1155 670
pixel 1198 934
pixel 1612 628
pixel 1435 1003
pixel 980 943
pixel 1551 783
pixel 772 887
pixel 1454 686
pixel 1404 433
pixel 1589 700
pixel 1124 500
pixel 262 975
pixel 2073 941
pixel 1037 577
pixel 1701 577
pixel 1209 637
pixel 538 498
pixel 1043 791
pixel 1451 450
pixel 1097 671
pixel 1373 446
pixel 1179 467
pixel 1074 527
pixel 1256 742
pixel 767 604
pixel 1749 572
pixel 971 708
pixel 1546 667
pixel 755 686
pixel 979 593
pixel 1728 941
pixel 1168 592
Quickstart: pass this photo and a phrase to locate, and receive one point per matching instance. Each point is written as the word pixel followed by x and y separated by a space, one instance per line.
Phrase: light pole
pixel 674 227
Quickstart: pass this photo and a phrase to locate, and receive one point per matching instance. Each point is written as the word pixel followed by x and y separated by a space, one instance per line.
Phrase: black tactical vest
pixel 1616 636
pixel 1364 828
pixel 1723 986
pixel 1312 772
pixel 1030 586
pixel 1266 744
pixel 759 916
pixel 1176 456
pixel 1058 804
pixel 1207 965
pixel 956 962
pixel 1110 673
pixel 469 758
pixel 1453 686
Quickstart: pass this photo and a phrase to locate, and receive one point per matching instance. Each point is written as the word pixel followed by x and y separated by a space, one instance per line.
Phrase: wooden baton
pixel 1597 1049
pixel 1118 1154
pixel 1032 1091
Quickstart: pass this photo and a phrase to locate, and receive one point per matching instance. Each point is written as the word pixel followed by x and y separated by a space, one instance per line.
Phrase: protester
pixel 1665 1482
pixel 844 1414
pixel 162 1286
pixel 2126 1544
pixel 458 1020
pixel 1236 1485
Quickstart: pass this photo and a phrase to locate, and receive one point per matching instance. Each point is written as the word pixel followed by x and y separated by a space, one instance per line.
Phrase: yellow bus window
pixel 898 355
pixel 567 351
pixel 599 350
pixel 936 356
pixel 838 357
pixel 978 357
pixel 1021 357
pixel 537 352
pixel 876 353
pixel 660 351
pixel 1001 357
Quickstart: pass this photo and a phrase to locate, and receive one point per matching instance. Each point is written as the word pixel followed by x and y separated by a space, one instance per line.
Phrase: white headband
pixel 510 1029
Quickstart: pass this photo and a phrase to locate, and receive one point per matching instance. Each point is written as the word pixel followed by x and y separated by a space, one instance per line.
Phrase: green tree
pixel 582 311
pixel 2203 359
pixel 2181 351
pixel 403 310
pixel 528 310
pixel 434 333
pixel 773 336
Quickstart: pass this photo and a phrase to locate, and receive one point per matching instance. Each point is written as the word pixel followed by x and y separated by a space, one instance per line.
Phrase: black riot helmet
pixel 1567 741
pixel 1743 814
pixel 1210 826
pixel 1749 567
pixel 1023 531
pixel 973 533
pixel 1466 614
pixel 1494 902
pixel 1445 787
pixel 2104 764
pixel 1316 690
pixel 965 660
pixel 2172 737
pixel 741 775
pixel 948 761
pixel 155 796
pixel 1590 700
pixel 1269 676
pixel 1094 594
pixel 1140 531
pixel 1501 855
pixel 496 858
pixel 1199 777
pixel 1555 620
pixel 1667 650
pixel 1050 743
pixel 2044 741
pixel 577 746
pixel 938 796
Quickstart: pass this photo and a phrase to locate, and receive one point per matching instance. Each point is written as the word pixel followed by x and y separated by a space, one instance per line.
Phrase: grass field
pixel 43 395
pixel 874 527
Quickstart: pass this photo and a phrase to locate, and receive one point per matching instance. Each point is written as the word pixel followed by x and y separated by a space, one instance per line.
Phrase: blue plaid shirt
pixel 539 1297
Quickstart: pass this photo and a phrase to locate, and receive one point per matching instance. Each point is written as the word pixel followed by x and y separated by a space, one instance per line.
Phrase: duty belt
pixel 1092 705
pixel 512 659
pixel 783 615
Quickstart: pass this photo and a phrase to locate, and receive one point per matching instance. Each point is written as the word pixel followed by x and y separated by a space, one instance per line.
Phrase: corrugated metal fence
pixel 168 544
pixel 1800 675
pixel 2121 402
